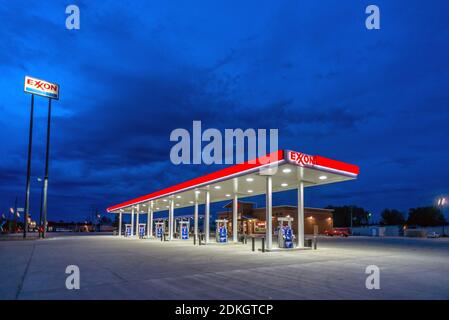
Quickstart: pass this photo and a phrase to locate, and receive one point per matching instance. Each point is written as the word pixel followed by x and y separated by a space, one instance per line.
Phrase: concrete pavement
pixel 118 268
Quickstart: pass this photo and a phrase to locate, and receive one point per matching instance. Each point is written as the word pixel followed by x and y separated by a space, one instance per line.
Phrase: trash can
pixel 308 243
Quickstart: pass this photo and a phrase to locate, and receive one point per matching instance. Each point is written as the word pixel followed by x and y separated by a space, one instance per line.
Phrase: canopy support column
pixel 195 218
pixel 137 220
pixel 235 212
pixel 269 213
pixel 120 223
pixel 132 221
pixel 150 220
pixel 300 220
pixel 171 215
pixel 206 217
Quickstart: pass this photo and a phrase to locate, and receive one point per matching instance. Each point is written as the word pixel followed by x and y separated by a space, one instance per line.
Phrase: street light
pixel 441 203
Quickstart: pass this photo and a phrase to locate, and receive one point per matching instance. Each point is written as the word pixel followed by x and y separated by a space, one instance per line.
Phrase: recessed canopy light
pixel 165 200
pixel 157 208
pixel 144 205
pixel 284 184
pixel 322 177
pixel 178 197
pixel 227 195
pixel 166 206
pixel 287 170
pixel 250 191
pixel 190 201
pixel 177 204
pixel 197 191
pixel 250 179
pixel 217 187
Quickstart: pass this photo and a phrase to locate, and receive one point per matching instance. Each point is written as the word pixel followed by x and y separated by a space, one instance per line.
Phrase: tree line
pixel 422 216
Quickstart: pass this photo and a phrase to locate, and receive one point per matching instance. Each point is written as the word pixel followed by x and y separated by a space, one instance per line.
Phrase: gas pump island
pixel 285 233
pixel 184 226
pixel 160 229
pixel 221 232
pixel 127 230
pixel 142 229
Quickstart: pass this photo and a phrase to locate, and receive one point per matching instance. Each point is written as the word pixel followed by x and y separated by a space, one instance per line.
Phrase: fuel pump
pixel 141 230
pixel 184 226
pixel 285 232
pixel 160 229
pixel 221 232
pixel 127 230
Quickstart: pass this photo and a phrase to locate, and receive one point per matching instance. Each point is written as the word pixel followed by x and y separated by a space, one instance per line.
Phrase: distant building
pixel 62 226
pixel 252 220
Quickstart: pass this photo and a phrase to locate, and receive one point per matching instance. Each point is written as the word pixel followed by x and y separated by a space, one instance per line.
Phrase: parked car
pixel 342 232
pixel 433 234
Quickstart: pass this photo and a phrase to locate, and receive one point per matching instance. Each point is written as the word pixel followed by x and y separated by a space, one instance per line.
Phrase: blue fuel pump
pixel 221 232
pixel 127 230
pixel 160 226
pixel 288 237
pixel 285 233
pixel 141 230
pixel 184 226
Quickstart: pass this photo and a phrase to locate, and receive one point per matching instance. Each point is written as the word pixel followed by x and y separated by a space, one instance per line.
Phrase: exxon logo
pixel 41 88
pixel 301 159
pixel 39 84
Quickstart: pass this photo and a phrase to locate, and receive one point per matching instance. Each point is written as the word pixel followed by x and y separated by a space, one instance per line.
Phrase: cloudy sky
pixel 136 70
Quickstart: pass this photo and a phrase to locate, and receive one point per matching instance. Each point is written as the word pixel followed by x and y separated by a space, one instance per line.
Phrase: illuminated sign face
pixel 301 159
pixel 260 227
pixel 41 88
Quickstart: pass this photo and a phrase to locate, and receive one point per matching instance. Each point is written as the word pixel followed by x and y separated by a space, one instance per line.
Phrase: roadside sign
pixel 41 88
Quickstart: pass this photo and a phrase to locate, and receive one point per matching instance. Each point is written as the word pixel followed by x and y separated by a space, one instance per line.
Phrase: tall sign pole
pixel 47 154
pixel 51 91
pixel 27 192
pixel 40 208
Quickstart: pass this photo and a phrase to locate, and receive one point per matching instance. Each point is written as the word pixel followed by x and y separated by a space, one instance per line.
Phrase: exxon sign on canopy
pixel 41 88
pixel 300 158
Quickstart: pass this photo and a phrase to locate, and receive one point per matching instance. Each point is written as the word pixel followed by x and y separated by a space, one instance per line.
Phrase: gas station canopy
pixel 246 179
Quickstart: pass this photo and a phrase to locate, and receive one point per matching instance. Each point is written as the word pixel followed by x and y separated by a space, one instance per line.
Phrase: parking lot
pixel 118 268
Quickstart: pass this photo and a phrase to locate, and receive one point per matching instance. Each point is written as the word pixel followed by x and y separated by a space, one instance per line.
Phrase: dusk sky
pixel 137 70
